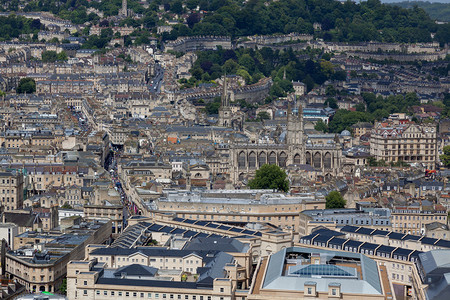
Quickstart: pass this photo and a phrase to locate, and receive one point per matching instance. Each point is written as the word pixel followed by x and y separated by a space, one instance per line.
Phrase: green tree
pixel 263 115
pixel 66 206
pixel 321 126
pixel 212 108
pixel 270 177
pixel 62 56
pixel 445 158
pixel 63 286
pixel 335 200
pixel 26 85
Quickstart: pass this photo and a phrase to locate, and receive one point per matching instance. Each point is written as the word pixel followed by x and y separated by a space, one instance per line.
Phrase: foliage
pixel 66 206
pixel 377 109
pixel 283 66
pixel 63 287
pixel 376 163
pixel 263 115
pixel 321 126
pixel 437 11
pixel 52 56
pixel 26 85
pixel 335 200
pixel 13 26
pixel 445 158
pixel 343 119
pixel 351 21
pixel 270 177
pixel 212 108
pixel 348 22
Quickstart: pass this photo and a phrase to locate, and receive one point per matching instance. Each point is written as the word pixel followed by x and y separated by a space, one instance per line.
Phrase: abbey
pixel 321 151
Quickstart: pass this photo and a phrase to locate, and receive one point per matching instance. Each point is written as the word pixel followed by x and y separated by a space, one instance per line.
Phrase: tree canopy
pixel 52 56
pixel 26 85
pixel 445 158
pixel 270 177
pixel 349 22
pixel 335 200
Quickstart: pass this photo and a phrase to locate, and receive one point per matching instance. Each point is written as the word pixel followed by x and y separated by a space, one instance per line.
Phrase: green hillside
pixel 437 11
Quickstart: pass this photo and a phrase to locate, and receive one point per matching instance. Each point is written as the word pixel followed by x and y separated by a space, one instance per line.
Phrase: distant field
pixel 437 11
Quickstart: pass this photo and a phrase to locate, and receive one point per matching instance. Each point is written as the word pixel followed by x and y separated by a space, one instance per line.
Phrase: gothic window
pixel 327 160
pixel 272 158
pixel 282 159
pixel 308 158
pixel 252 160
pixel 297 159
pixel 241 160
pixel 317 160
pixel 262 159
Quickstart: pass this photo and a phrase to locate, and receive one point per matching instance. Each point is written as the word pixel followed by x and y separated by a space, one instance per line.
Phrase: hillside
pixel 437 11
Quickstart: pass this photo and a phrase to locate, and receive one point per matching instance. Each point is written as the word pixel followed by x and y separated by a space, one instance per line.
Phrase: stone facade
pixel 297 149
pixel 409 142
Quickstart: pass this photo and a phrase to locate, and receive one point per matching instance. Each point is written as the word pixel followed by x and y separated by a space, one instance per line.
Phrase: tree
pixel 270 177
pixel 62 56
pixel 335 200
pixel 63 286
pixel 66 206
pixel 321 126
pixel 26 85
pixel 445 158
pixel 263 115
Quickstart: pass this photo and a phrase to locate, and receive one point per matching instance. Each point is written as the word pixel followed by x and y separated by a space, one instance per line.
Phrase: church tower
pixel 124 11
pixel 225 113
pixel 294 136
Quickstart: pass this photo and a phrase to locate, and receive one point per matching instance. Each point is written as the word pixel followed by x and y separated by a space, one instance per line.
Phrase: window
pixel 333 292
pixel 149 295
pixel 142 295
pixel 120 294
pixel 85 282
pixel 105 293
pixel 97 292
pixel 309 291
pixel 134 294
pixel 112 293
pixel 127 294
pixel 85 292
pixel 221 290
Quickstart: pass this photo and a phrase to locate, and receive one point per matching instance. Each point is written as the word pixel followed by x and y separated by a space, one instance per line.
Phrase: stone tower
pixel 295 135
pixel 225 113
pixel 124 11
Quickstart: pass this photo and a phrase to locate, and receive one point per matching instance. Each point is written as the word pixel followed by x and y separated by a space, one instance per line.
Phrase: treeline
pixel 13 26
pixel 282 66
pixel 373 108
pixel 350 22
pixel 437 11
pixel 347 22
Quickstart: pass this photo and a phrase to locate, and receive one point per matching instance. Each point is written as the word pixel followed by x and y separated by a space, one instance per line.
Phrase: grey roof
pixel 440 290
pixel 136 270
pixel 435 259
pixel 219 244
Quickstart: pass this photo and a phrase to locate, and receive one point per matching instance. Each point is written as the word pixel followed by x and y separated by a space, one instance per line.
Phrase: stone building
pixel 322 153
pixel 11 186
pixel 407 142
